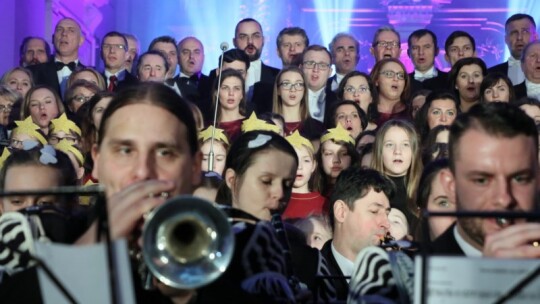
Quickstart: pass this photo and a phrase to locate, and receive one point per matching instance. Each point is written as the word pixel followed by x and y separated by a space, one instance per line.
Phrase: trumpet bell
pixel 187 242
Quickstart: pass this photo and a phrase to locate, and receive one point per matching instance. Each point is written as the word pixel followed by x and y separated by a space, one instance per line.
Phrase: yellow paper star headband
pixel 66 147
pixel 297 141
pixel 4 156
pixel 219 134
pixel 65 125
pixel 28 127
pixel 255 124
pixel 337 134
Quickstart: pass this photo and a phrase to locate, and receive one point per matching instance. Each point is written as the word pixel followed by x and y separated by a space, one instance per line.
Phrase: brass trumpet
pixel 187 242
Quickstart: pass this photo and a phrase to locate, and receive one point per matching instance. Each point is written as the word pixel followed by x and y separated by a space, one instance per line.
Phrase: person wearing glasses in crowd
pixel 77 95
pixel 290 101
pixel 316 65
pixel 386 43
pixel 393 85
pixel 114 54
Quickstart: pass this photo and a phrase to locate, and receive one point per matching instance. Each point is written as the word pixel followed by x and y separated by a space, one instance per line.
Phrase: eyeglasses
pixel 54 139
pixel 359 90
pixel 108 47
pixel 312 64
pixel 392 74
pixel 6 109
pixel 290 86
pixel 388 44
pixel 81 99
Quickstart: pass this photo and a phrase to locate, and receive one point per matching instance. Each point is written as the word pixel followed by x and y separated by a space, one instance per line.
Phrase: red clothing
pixel 290 127
pixel 233 129
pixel 304 204
pixel 384 117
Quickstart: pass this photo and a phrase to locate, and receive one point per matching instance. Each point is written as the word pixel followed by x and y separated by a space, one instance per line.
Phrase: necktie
pixel 193 80
pixel 60 65
pixel 112 83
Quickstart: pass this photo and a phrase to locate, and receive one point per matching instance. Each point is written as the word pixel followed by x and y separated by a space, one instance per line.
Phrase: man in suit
pixel 316 65
pixel 67 39
pixel 34 50
pixel 520 29
pixel 423 49
pixel 386 43
pixel 114 53
pixel 358 214
pixel 248 37
pixel 530 65
pixel 493 168
pixel 152 66
pixel 192 84
pixel 345 50
pixel 291 43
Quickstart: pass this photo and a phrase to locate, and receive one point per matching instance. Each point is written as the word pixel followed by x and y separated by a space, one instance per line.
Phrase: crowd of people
pixel 318 165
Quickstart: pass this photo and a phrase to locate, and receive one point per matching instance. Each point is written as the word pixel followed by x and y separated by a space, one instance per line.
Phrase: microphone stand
pixel 223 47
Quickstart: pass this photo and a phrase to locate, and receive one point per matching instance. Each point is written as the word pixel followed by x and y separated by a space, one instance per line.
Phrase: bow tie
pixel 192 80
pixel 60 65
pixel 513 62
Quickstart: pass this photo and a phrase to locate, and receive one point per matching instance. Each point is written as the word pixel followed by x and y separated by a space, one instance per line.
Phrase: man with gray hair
pixel 345 49
pixel 386 43
pixel 530 64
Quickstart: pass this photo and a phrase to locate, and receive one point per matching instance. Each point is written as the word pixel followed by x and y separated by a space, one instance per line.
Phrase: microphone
pixel 223 46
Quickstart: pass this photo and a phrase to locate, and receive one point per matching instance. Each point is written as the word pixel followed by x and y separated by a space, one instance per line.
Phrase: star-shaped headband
pixel 337 134
pixel 4 156
pixel 28 127
pixel 255 124
pixel 297 141
pixel 219 134
pixel 65 125
pixel 66 147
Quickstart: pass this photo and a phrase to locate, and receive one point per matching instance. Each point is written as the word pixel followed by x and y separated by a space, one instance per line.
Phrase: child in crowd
pixel 396 155
pixel 42 104
pixel 303 201
pixel 336 153
pixel 231 103
pixel 220 147
pixel 28 131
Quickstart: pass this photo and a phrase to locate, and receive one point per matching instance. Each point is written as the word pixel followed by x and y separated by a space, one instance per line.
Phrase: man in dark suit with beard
pixel 493 168
pixel 67 40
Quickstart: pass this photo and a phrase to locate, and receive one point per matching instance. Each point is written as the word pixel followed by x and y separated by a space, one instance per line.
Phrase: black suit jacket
pixel 499 68
pixel 198 93
pixel 520 91
pixel 45 74
pixel 268 74
pixel 341 285
pixel 446 244
pixel 437 83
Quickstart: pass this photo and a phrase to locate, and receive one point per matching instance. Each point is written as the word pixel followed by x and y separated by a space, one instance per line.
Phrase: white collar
pixel 117 74
pixel 428 74
pixel 531 85
pixel 467 248
pixel 513 61
pixel 346 266
pixel 315 93
pixel 256 64
pixel 339 77
pixel 58 60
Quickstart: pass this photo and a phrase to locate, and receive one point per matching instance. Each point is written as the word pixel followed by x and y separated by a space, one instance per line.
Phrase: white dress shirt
pixel 514 71
pixel 316 104
pixel 427 75
pixel 346 266
pixel 469 249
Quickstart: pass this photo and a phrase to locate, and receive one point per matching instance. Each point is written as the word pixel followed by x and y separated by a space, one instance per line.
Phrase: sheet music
pixel 475 280
pixel 83 271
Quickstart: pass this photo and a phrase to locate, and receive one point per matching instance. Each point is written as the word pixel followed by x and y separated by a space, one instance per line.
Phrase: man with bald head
pixel 67 39
pixel 530 65
pixel 192 84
